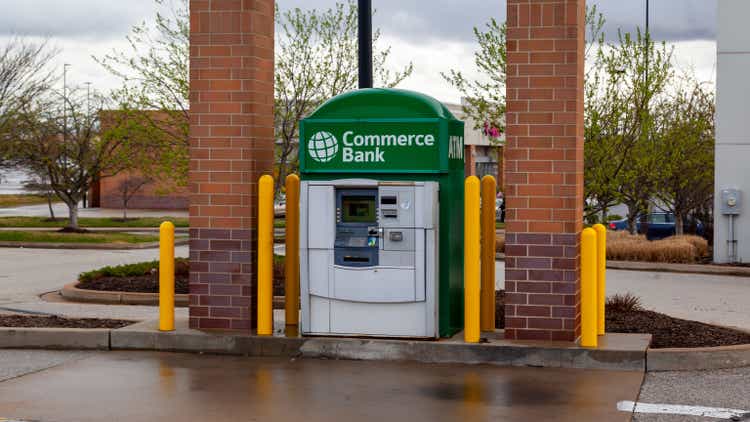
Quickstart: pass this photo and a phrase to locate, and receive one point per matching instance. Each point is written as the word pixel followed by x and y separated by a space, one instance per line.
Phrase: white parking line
pixel 678 409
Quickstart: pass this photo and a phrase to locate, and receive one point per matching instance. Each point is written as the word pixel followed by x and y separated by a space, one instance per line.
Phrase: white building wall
pixel 733 124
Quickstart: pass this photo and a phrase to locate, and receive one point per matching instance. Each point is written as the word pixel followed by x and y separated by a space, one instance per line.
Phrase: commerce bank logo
pixel 323 147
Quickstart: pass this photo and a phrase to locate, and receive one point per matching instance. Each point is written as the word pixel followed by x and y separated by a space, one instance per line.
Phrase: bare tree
pixel 128 188
pixel 57 137
pixel 23 77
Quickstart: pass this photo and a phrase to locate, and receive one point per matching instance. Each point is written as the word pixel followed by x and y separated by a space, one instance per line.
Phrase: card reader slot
pixel 389 213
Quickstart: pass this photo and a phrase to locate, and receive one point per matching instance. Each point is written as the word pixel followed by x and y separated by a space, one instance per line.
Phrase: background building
pixel 482 155
pixel 732 128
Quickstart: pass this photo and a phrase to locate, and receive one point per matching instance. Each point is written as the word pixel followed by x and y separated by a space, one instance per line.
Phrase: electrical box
pixel 731 201
pixel 381 218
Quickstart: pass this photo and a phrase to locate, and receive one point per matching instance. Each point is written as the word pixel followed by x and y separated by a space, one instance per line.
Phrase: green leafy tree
pixel 485 97
pixel 627 78
pixel 153 98
pixel 685 148
pixel 316 59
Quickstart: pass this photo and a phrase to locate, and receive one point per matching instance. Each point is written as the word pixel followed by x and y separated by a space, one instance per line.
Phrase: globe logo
pixel 322 147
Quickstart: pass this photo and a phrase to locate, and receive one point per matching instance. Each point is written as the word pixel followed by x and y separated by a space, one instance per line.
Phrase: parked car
pixel 500 207
pixel 660 225
pixel 279 209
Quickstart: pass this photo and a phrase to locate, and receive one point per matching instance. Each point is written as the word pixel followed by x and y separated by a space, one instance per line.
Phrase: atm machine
pixel 369 258
pixel 381 216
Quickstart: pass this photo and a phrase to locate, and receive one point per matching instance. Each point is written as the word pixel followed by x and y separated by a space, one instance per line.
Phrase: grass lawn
pixel 55 237
pixel 12 201
pixel 90 222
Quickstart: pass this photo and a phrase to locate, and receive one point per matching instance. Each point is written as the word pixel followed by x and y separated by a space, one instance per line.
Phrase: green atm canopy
pixel 395 135
pixel 383 131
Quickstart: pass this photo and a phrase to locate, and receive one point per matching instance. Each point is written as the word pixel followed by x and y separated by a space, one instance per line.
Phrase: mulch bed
pixel 673 332
pixel 135 284
pixel 667 332
pixel 26 321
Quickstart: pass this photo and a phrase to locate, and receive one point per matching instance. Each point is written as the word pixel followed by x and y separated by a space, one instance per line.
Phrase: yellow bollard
pixel 487 305
pixel 265 256
pixel 601 276
pixel 291 281
pixel 166 276
pixel 588 288
pixel 471 260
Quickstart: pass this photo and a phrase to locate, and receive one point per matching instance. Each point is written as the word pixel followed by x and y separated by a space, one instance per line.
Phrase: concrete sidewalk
pixel 147 386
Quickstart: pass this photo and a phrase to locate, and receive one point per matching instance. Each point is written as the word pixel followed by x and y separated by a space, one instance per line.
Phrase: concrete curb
pixel 180 230
pixel 626 352
pixel 88 246
pixel 619 352
pixel 74 294
pixel 54 338
pixel 707 269
pixel 680 268
pixel 146 336
pixel 698 359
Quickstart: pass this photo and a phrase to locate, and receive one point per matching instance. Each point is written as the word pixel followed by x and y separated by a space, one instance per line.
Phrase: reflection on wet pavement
pixel 145 386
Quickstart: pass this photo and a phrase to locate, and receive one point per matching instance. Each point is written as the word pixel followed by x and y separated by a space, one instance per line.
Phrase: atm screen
pixel 358 209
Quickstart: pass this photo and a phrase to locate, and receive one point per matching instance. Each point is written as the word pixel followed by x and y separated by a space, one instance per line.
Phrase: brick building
pixel 160 192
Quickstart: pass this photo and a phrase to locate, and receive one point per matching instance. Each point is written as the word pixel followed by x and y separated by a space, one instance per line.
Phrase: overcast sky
pixel 436 38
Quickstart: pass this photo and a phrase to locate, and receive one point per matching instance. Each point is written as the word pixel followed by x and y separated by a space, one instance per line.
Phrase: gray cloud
pixel 423 20
pixel 671 20
pixel 411 20
pixel 93 19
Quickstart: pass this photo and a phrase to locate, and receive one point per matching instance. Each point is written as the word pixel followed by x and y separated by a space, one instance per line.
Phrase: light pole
pixel 364 12
pixel 648 40
pixel 88 100
pixel 65 99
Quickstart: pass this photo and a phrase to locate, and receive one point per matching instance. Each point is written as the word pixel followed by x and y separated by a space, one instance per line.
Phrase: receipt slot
pixel 381 218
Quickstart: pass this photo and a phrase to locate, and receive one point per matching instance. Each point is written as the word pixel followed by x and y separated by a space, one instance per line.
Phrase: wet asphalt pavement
pixel 148 386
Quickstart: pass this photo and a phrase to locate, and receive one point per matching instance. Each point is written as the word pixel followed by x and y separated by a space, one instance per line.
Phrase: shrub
pixel 614 217
pixel 622 246
pixel 701 244
pixel 182 268
pixel 624 303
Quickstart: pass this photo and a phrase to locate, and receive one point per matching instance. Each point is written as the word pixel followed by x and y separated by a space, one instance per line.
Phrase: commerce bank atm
pixel 369 257
pixel 381 216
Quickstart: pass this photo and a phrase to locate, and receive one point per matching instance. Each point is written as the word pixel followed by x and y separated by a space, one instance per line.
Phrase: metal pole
pixel 588 288
pixel 648 40
pixel 472 215
pixel 166 276
pixel 265 256
pixel 365 43
pixel 291 274
pixel 88 100
pixel 487 286
pixel 65 100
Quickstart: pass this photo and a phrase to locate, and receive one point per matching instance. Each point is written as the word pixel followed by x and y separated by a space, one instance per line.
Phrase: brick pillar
pixel 231 145
pixel 544 168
